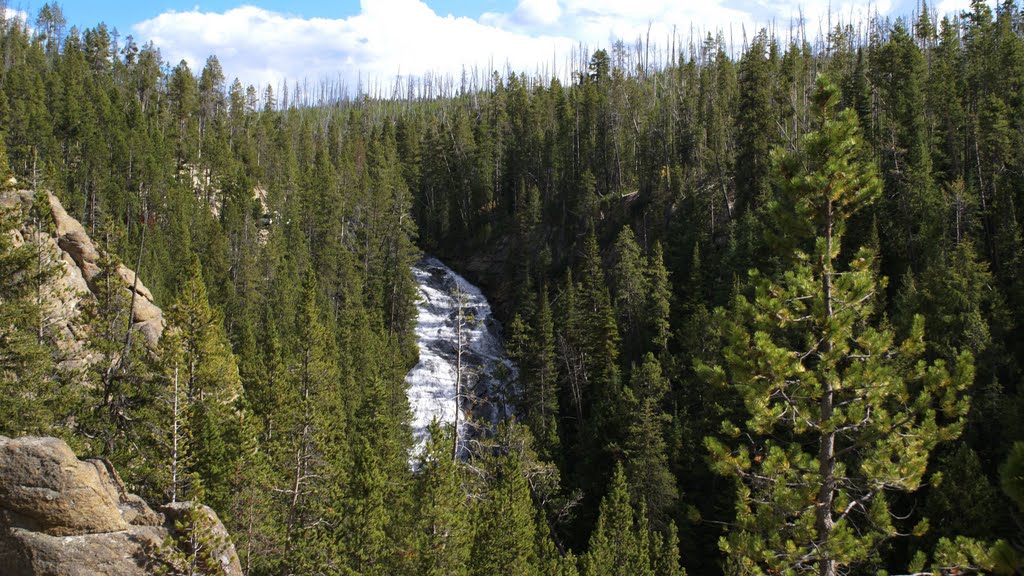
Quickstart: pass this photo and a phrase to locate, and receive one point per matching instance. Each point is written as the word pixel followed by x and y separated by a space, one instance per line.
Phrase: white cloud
pixel 543 12
pixel 391 37
pixel 955 7
pixel 952 6
pixel 528 14
pixel 388 37
pixel 12 14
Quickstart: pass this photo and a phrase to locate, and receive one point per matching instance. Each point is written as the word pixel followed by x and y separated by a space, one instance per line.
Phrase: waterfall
pixel 446 301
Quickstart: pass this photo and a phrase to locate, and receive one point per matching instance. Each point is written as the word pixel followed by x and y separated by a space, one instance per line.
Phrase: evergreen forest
pixel 766 300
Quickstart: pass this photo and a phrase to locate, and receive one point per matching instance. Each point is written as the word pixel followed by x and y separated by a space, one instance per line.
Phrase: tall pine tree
pixel 839 415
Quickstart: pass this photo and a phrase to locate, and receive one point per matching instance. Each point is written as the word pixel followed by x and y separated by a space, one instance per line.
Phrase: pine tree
pixel 754 124
pixel 531 345
pixel 599 342
pixel 619 544
pixel 253 525
pixel 208 377
pixel 367 545
pixel 440 545
pixel 813 370
pixel 123 387
pixel 629 286
pixel 910 229
pixel 1009 558
pixel 183 92
pixel 646 455
pixel 309 453
pixel 543 393
pixel 24 358
pixel 195 549
pixel 178 442
pixel 376 494
pixel 665 552
pixel 958 477
pixel 505 540
pixel 5 168
pixel 657 309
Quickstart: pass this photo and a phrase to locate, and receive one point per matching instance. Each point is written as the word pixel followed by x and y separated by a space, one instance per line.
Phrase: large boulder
pixel 73 239
pixel 61 516
pixel 44 488
pixel 123 553
pixel 75 242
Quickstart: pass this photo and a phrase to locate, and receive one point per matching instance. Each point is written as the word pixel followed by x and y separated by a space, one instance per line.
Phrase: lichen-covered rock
pixel 123 553
pixel 61 516
pixel 45 488
pixel 73 239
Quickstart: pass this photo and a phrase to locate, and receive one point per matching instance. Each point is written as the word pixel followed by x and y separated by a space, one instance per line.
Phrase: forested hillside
pixel 766 307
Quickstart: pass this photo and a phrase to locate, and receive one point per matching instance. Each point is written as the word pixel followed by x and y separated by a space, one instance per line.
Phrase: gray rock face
pixel 123 553
pixel 74 241
pixel 78 258
pixel 61 516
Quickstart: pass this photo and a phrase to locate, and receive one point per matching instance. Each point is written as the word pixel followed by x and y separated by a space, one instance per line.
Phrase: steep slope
pixel 65 245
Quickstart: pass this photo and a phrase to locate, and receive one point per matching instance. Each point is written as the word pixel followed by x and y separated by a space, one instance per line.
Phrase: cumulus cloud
pixel 528 14
pixel 12 14
pixel 387 38
pixel 408 38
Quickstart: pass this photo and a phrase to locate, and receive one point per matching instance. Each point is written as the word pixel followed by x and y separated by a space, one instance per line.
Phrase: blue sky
pixel 122 14
pixel 373 41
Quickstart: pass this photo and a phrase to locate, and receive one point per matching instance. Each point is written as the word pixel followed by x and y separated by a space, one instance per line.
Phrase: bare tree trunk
pixel 174 438
pixel 824 523
pixel 301 460
pixel 459 322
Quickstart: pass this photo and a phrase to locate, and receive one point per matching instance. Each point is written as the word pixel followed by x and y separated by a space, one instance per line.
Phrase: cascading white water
pixel 432 382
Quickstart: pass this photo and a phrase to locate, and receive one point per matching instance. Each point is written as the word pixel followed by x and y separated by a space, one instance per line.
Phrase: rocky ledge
pixel 78 270
pixel 61 516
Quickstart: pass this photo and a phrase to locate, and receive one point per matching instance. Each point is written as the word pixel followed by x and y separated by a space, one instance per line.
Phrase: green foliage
pixel 5 169
pixel 32 394
pixel 206 371
pixel 619 544
pixel 839 413
pixel 194 549
pixel 630 286
pixel 646 464
pixel 658 302
pixel 1012 475
pixel 651 180
pixel 123 386
pixel 966 555
pixel 505 541
pixel 440 544
pixel 665 553
pixel 959 478
pixel 1007 557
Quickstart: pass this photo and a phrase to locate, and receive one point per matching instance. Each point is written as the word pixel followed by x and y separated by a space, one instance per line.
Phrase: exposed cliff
pixel 76 258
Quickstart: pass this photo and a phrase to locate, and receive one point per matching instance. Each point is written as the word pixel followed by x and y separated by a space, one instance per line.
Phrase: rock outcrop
pixel 79 268
pixel 62 516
